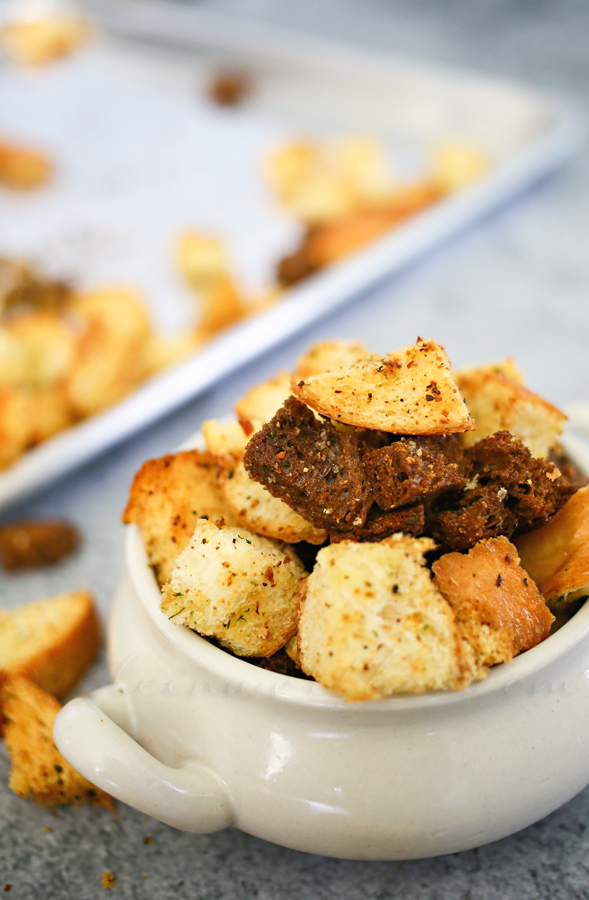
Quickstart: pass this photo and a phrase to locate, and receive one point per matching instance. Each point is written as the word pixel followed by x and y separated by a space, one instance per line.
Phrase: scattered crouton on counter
pixel 36 543
pixel 51 641
pixel 23 169
pixel 38 768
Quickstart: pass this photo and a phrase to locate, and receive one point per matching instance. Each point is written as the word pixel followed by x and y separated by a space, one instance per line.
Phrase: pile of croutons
pixel 286 562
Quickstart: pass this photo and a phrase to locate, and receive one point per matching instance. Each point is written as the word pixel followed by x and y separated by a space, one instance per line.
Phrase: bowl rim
pixel 240 675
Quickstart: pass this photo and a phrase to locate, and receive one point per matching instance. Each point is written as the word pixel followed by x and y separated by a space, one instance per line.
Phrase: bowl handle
pixel 191 798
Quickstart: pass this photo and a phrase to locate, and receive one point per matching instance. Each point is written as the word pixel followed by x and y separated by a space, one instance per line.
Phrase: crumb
pixel 7 887
pixel 229 88
pixel 108 880
pixel 47 829
pixel 148 840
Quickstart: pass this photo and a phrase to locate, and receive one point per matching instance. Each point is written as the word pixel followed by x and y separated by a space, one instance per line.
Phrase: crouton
pixel 507 367
pixel 37 42
pixel 51 641
pixel 164 351
pixel 38 768
pixel 256 509
pixel 496 403
pixel 22 169
pixel 201 259
pixel 410 391
pixel 456 164
pixel 48 343
pixel 221 306
pixel 16 424
pixel 557 555
pixel 50 413
pixel 36 543
pixel 373 624
pixel 326 356
pixel 236 586
pixel 499 609
pixel 167 498
pixel 292 649
pixel 225 440
pixel 262 401
pixel 111 355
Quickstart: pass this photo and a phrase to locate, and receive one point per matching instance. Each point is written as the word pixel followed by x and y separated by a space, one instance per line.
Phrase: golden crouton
pixel 256 509
pixel 201 259
pixel 221 306
pixel 48 343
pixel 16 425
pixel 51 641
pixel 264 400
pixel 23 169
pixel 507 367
pixel 38 768
pixel 111 355
pixel 225 440
pixel 499 609
pixel 38 42
pixel 557 555
pixel 372 623
pixel 164 351
pixel 236 586
pixel 410 391
pixel 167 498
pixel 455 165
pixel 50 413
pixel 326 356
pixel 498 404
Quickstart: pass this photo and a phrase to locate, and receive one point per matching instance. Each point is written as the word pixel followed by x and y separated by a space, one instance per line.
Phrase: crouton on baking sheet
pixel 260 403
pixel 237 587
pixel 168 497
pixel 410 391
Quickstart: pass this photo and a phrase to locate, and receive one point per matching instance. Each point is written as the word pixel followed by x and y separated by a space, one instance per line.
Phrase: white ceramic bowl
pixel 202 740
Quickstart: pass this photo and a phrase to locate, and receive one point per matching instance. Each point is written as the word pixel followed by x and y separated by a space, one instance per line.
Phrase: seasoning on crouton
pixel 51 641
pixel 410 391
pixel 260 403
pixel 22 169
pixel 225 440
pixel 557 555
pixel 38 768
pixel 327 356
pixel 111 354
pixel 499 609
pixel 373 624
pixel 236 586
pixel 496 403
pixel 36 543
pixel 167 498
pixel 256 509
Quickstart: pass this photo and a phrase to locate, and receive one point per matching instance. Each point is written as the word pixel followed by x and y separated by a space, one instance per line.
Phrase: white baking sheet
pixel 141 154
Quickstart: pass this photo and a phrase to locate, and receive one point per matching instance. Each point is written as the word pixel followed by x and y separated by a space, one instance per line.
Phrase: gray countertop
pixel 516 284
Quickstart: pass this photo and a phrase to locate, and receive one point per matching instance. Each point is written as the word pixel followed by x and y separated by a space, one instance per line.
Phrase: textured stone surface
pixel 515 284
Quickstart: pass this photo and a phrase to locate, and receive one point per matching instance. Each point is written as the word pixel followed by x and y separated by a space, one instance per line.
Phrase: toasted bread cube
pixel 236 586
pixel 327 356
pixel 167 498
pixel 506 367
pixel 557 555
pixel 221 306
pixel 16 424
pixel 36 543
pixel 51 641
pixel 111 358
pixel 257 510
pixel 456 164
pixel 499 609
pixel 49 344
pixel 225 440
pixel 50 413
pixel 496 403
pixel 372 623
pixel 262 401
pixel 38 768
pixel 164 351
pixel 38 42
pixel 22 169
pixel 410 391
pixel 201 259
